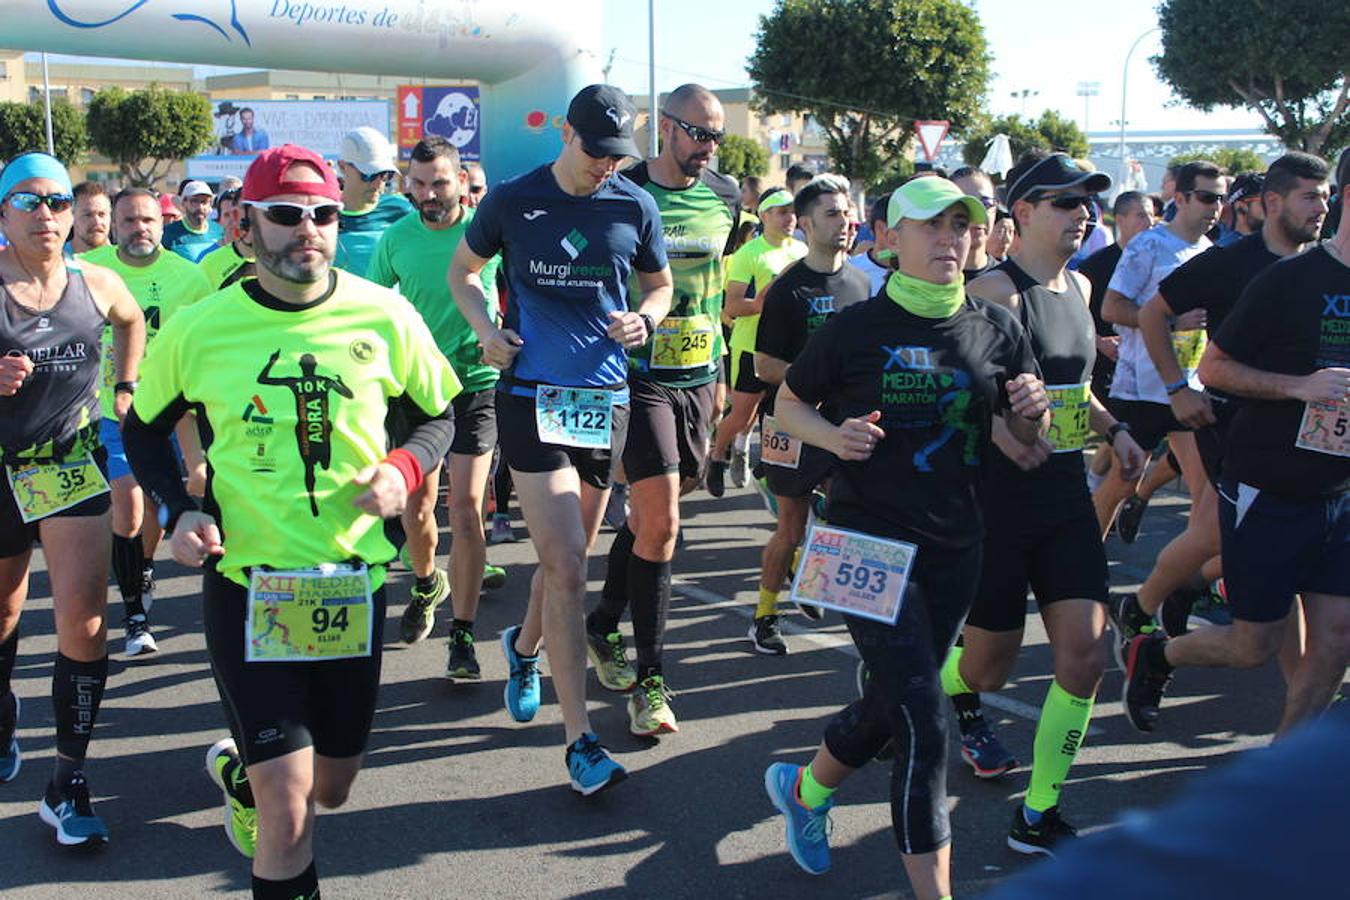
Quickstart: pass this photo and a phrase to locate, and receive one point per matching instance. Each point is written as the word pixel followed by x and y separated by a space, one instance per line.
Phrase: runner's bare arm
pixel 995 287
pixel 734 303
pixel 1222 372
pixel 853 439
pixel 1028 415
pixel 128 324
pixel 1119 309
pixel 500 345
pixel 769 368
pixel 658 289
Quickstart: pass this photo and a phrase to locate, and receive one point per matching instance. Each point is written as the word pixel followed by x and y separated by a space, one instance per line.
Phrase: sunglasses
pixel 477 188
pixel 987 201
pixel 27 201
pixel 697 133
pixel 290 215
pixel 1206 197
pixel 368 178
pixel 1069 201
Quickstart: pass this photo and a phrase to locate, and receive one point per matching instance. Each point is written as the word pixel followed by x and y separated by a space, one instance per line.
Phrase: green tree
pixel 23 128
pixel 739 156
pixel 1288 63
pixel 146 131
pixel 893 61
pixel 1050 132
pixel 1234 161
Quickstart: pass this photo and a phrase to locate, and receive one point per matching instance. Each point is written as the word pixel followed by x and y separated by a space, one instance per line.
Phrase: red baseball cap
pixel 167 206
pixel 264 177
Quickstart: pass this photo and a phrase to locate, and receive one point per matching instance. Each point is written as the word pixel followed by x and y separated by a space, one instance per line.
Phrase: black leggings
pixel 903 700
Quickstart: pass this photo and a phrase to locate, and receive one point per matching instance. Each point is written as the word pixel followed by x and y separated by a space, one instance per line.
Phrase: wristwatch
pixel 1117 429
pixel 125 387
pixel 649 323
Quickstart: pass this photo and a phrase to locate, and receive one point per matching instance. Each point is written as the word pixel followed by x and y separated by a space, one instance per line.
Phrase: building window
pixel 292 96
pixel 86 96
pixel 785 161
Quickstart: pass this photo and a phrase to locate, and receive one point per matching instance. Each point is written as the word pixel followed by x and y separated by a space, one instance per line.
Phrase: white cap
pixel 368 150
pixel 195 189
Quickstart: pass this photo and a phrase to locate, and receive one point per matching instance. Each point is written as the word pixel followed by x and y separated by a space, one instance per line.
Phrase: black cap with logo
pixel 603 116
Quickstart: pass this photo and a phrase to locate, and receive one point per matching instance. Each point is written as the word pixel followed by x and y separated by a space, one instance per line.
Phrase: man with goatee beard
pixel 414 254
pixel 93 217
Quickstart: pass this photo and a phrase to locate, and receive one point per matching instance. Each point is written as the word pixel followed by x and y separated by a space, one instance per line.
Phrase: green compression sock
pixel 1059 734
pixel 952 682
pixel 811 792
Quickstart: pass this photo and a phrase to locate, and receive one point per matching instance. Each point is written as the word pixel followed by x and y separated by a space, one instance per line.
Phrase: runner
pixel 749 272
pixel 193 236
pixel 914 376
pixel 1040 526
pixel 414 254
pixel 55 486
pixel 1294 202
pixel 801 300
pixel 875 261
pixel 291 535
pixel 233 259
pixel 162 283
pixel 672 380
pixel 93 217
pixel 1244 213
pixel 1284 489
pixel 366 165
pixel 975 182
pixel 570 233
pixel 477 186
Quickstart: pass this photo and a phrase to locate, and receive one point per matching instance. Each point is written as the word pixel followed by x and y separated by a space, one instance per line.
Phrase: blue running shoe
pixel 808 830
pixel 70 812
pixel 522 685
pixel 11 760
pixel 591 767
pixel 985 753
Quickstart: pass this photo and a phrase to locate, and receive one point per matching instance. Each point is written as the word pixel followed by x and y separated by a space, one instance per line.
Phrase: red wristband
pixel 408 467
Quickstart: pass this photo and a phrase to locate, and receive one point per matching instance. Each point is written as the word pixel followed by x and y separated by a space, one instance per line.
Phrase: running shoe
pixel 1175 613
pixel 11 760
pixel 808 830
pixel 69 810
pixel 502 532
pixel 148 588
pixel 420 616
pixel 591 767
pixel 610 659
pixel 811 611
pixel 739 471
pixel 493 577
pixel 767 496
pixel 649 712
pixel 463 662
pixel 1131 514
pixel 241 816
pixel 1129 620
pixel 767 637
pixel 861 675
pixel 1210 609
pixel 716 482
pixel 1144 684
pixel 140 642
pixel 1046 837
pixel 985 753
pixel 616 508
pixel 522 685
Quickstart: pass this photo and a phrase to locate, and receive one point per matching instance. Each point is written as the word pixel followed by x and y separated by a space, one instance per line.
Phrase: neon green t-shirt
pixel 220 264
pixel 162 289
pixel 416 259
pixel 292 403
pixel 756 264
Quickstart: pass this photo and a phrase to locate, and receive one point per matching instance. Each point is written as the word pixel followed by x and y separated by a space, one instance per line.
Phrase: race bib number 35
pixel 573 417
pixel 778 448
pixel 853 573
pixel 1070 408
pixel 43 489
pixel 683 342
pixel 1325 429
pixel 308 614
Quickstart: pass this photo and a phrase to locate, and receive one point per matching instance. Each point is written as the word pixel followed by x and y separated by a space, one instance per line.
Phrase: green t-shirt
pixel 162 289
pixel 415 258
pixel 292 403
pixel 756 264
pixel 358 233
pixel 220 264
pixel 696 223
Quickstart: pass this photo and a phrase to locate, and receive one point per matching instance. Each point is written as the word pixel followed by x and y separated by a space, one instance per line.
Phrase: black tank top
pixel 56 411
pixel 1063 339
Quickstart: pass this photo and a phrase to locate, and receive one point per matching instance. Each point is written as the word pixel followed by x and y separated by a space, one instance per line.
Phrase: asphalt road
pixel 458 800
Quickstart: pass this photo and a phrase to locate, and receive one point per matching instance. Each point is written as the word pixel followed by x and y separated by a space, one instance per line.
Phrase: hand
pixel 1324 386
pixel 628 329
pixel 1026 396
pixel 1189 321
pixel 501 347
pixel 386 493
pixel 1192 408
pixel 196 480
pixel 1129 455
pixel 1109 346
pixel 14 368
pixel 1025 456
pixel 121 406
pixel 196 537
pixel 856 438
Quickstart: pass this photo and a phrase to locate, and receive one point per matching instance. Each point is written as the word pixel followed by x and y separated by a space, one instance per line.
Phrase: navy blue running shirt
pixel 567 260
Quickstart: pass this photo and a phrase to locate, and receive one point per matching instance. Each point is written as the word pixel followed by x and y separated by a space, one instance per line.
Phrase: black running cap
pixel 1058 170
pixel 603 117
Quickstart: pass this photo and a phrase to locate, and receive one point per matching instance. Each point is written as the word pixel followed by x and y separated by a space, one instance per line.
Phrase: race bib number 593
pixel 853 573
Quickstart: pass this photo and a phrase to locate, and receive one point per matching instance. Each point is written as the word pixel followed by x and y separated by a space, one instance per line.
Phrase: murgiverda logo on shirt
pixel 312 392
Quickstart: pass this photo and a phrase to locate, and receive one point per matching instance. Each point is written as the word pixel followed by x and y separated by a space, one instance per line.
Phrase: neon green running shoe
pixel 649 712
pixel 610 659
pixel 241 816
pixel 493 577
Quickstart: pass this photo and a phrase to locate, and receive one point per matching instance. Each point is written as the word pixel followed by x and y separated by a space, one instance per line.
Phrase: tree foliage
pixel 23 127
pixel 866 69
pixel 1233 160
pixel 146 131
pixel 739 156
pixel 1287 61
pixel 1050 132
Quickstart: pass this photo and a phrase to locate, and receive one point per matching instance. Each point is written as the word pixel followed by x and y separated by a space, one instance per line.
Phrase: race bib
pixel 41 489
pixel 308 614
pixel 853 573
pixel 683 342
pixel 1189 346
pixel 574 417
pixel 778 448
pixel 1070 412
pixel 1325 428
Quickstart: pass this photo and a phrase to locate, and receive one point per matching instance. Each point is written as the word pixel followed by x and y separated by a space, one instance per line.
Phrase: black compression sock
pixel 128 565
pixel 304 886
pixel 969 713
pixel 425 583
pixel 462 625
pixel 649 597
pixel 77 691
pixel 604 619
pixel 9 651
pixel 65 770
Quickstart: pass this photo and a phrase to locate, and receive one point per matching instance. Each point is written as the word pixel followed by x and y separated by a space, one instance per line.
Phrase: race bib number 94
pixel 43 489
pixel 573 417
pixel 1325 429
pixel 308 614
pixel 853 573
pixel 683 342
pixel 1070 408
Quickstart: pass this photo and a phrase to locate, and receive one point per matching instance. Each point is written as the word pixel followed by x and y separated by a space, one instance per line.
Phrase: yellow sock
pixel 768 603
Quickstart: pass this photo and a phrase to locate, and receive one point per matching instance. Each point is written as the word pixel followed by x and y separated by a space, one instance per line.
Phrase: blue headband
pixel 33 165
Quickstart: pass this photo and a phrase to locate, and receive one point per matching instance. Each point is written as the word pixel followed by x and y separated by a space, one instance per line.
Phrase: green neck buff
pixel 923 298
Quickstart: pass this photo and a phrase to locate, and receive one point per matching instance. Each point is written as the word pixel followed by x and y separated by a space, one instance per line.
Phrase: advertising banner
pixel 245 128
pixel 451 112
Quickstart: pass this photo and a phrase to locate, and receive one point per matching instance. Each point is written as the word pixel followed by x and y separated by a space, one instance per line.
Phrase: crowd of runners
pixel 957 391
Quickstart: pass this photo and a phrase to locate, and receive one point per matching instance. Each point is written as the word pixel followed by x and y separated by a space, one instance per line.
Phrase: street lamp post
pixel 1023 94
pixel 1124 86
pixel 1087 90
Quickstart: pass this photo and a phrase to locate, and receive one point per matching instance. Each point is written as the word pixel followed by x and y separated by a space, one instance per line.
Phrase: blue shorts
pixel 1274 548
pixel 110 435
